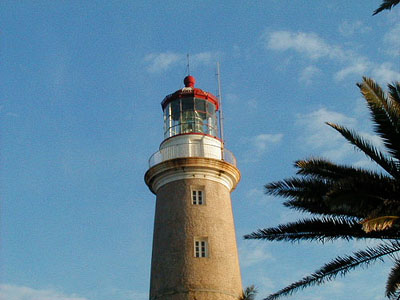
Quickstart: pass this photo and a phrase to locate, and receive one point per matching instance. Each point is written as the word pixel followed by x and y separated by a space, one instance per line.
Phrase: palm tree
pixel 386 4
pixel 348 202
pixel 249 293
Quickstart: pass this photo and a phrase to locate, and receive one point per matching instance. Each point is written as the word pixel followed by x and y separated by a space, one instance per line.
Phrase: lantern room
pixel 190 111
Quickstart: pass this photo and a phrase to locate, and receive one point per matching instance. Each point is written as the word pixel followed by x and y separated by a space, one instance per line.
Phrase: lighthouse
pixel 192 175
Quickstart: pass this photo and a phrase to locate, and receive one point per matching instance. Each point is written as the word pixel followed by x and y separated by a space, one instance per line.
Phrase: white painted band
pixel 192 168
pixel 193 173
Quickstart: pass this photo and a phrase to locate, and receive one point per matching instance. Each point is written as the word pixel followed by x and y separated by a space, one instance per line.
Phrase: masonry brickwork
pixel 176 273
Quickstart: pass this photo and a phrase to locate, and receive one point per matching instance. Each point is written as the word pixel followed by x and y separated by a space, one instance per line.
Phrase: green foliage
pixel 342 265
pixel 249 293
pixel 347 202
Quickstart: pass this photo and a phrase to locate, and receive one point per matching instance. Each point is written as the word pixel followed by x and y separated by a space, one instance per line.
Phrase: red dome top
pixel 190 91
pixel 189 81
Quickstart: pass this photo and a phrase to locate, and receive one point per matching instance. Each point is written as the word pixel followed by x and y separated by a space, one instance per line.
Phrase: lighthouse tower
pixel 194 244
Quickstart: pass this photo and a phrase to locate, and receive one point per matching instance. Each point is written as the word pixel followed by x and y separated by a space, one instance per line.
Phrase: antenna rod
pixel 221 115
pixel 188 64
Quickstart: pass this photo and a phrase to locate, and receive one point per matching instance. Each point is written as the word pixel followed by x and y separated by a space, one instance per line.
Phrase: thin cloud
pixel 252 254
pixel 257 196
pixel 357 68
pixel 205 58
pixel 361 110
pixel 255 193
pixel 160 62
pixel 347 28
pixel 263 141
pixel 338 152
pixel 260 144
pixel 392 40
pixel 322 138
pixel 308 44
pixel 316 133
pixel 315 48
pixel 308 74
pixel 328 143
pixel 15 292
pixel 384 73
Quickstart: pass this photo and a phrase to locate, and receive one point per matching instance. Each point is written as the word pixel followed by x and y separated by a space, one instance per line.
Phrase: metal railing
pixel 192 150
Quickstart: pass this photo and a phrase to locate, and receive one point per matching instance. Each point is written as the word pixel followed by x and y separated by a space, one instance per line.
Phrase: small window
pixel 197 197
pixel 200 247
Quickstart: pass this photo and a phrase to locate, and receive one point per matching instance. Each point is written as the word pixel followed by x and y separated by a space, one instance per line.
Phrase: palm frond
pixel 348 179
pixel 375 95
pixel 356 195
pixel 394 94
pixel 378 224
pixel 340 266
pixel 359 205
pixel 298 188
pixel 305 194
pixel 318 207
pixel 249 293
pixel 386 163
pixel 393 282
pixel 324 169
pixel 385 113
pixel 364 197
pixel 320 229
pixel 352 203
pixel 386 4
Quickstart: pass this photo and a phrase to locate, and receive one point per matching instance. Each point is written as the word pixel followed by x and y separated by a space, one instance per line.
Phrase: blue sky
pixel 82 83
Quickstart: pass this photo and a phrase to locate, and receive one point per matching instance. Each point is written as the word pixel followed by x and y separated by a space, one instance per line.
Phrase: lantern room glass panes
pixel 190 115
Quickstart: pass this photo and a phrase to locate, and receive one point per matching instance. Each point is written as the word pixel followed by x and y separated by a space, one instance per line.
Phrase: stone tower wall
pixel 176 273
